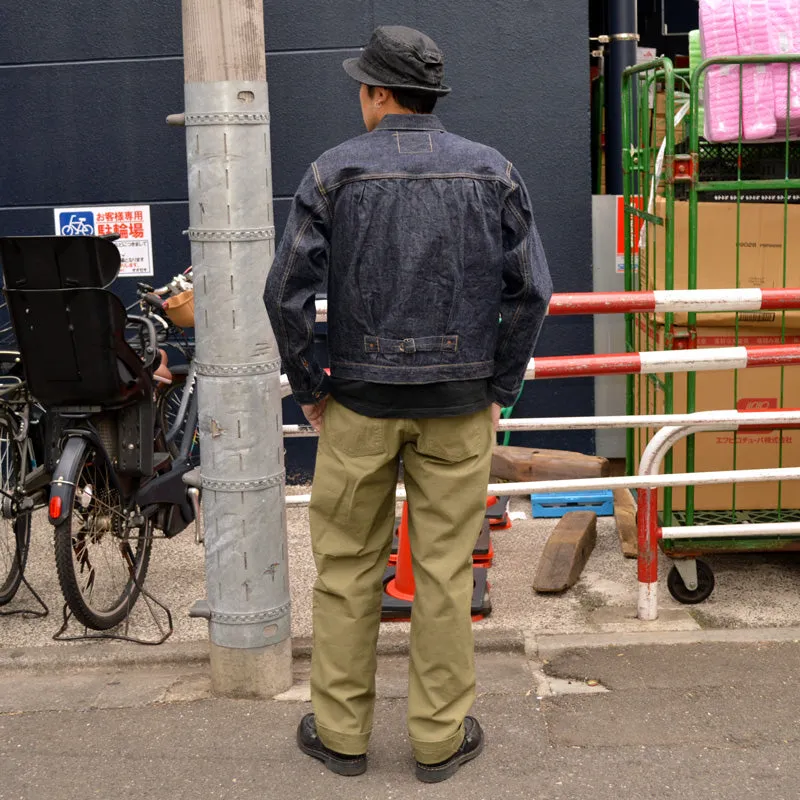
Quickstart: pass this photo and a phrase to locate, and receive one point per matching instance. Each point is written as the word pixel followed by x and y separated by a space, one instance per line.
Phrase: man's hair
pixel 416 102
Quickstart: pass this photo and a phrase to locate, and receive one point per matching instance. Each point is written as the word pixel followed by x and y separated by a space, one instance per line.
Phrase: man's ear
pixel 381 95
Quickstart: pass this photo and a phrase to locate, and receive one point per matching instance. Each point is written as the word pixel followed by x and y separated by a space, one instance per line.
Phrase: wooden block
pixel 533 464
pixel 566 552
pixel 625 516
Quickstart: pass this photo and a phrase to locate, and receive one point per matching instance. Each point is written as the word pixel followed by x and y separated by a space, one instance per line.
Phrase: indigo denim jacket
pixel 433 265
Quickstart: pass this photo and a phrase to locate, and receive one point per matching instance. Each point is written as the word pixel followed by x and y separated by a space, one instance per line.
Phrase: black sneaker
pixel 471 747
pixel 310 743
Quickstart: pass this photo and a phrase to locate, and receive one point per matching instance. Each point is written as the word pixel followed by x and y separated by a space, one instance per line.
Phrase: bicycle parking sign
pixel 79 223
pixel 131 223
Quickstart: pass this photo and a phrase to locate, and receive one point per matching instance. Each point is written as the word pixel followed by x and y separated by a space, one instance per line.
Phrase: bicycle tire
pixel 19 557
pixel 168 405
pixel 15 532
pixel 97 516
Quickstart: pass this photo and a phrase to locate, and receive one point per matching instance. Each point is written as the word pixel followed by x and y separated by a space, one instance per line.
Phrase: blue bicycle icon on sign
pixel 76 224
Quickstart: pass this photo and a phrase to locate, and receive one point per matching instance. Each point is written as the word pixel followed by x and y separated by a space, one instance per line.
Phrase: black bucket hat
pixel 400 58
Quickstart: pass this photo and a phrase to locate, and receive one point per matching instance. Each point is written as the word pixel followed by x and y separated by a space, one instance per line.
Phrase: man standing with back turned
pixel 437 288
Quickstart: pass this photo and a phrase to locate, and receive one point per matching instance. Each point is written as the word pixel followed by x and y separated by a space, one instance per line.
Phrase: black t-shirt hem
pixel 405 401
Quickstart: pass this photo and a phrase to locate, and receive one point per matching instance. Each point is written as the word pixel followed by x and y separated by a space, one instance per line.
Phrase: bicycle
pixel 173 319
pixel 15 459
pixel 106 487
pixel 21 447
pixel 77 226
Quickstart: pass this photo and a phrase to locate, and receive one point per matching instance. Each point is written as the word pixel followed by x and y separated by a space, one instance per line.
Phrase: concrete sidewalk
pixel 752 592
pixel 692 721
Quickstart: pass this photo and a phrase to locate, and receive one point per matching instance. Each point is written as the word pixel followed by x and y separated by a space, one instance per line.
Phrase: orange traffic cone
pixel 401 585
pixel 497 513
pixel 483 553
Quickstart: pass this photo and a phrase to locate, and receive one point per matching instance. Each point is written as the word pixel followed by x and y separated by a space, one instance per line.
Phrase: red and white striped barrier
pixel 657 361
pixel 672 301
pixel 711 358
pixel 697 300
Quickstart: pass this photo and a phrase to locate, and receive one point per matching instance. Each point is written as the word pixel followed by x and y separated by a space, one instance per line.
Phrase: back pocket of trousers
pixel 354 434
pixel 455 439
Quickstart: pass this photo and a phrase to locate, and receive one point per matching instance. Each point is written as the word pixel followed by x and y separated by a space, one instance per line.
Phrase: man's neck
pixel 393 107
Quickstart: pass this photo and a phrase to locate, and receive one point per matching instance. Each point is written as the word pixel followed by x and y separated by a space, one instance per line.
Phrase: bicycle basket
pixel 180 309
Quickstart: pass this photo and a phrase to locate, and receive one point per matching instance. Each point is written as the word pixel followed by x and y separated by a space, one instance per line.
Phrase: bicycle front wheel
pixel 101 559
pixel 168 410
pixel 15 531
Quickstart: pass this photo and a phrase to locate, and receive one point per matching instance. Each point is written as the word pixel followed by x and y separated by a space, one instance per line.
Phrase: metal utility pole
pixel 622 23
pixel 233 243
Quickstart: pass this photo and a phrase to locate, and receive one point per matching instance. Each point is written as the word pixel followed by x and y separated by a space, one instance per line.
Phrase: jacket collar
pixel 410 122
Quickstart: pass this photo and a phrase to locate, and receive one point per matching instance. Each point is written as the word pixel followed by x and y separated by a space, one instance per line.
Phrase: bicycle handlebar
pixel 152 299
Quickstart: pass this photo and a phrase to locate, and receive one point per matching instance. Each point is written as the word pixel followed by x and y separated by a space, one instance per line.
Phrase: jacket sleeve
pixel 298 272
pixel 527 287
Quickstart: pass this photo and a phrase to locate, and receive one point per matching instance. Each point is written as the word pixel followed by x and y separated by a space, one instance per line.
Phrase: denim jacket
pixel 433 265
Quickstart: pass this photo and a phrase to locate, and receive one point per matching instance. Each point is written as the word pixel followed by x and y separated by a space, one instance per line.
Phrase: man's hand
pixel 496 409
pixel 315 414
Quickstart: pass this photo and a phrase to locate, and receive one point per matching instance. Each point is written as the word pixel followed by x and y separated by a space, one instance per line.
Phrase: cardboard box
pixel 761 255
pixel 660 121
pixel 658 129
pixel 751 390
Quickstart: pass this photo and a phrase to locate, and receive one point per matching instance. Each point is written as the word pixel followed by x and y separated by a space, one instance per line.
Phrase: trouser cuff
pixel 347 744
pixel 436 752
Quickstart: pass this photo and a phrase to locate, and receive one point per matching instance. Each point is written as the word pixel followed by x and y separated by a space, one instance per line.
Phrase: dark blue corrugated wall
pixel 85 87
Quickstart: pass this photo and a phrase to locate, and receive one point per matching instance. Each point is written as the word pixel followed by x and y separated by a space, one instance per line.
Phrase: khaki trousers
pixel 446 465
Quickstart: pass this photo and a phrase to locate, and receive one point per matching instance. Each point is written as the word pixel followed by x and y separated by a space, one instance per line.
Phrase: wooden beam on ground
pixel 566 552
pixel 625 516
pixel 534 464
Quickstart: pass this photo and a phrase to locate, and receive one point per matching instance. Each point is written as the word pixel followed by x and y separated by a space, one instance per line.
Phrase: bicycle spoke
pixel 101 554
pixel 9 555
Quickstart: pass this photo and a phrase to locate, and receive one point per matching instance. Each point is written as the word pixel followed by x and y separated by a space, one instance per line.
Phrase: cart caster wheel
pixel 705 585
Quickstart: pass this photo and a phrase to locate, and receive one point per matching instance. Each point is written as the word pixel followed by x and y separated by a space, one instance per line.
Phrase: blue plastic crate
pixel 556 504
